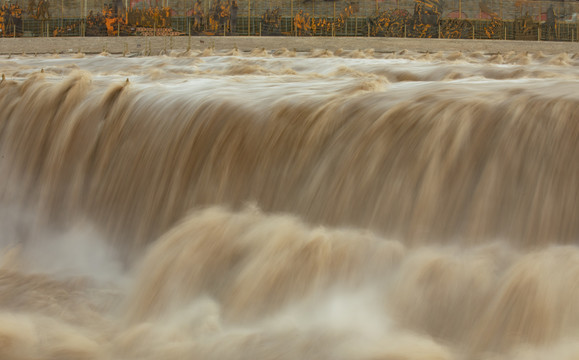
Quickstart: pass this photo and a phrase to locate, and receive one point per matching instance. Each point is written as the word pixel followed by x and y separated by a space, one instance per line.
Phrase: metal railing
pixel 459 19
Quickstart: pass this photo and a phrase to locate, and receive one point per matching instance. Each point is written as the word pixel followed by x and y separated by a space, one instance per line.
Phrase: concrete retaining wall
pixel 159 44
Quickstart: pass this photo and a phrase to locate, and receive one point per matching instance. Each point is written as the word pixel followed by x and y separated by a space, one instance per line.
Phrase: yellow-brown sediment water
pixel 283 205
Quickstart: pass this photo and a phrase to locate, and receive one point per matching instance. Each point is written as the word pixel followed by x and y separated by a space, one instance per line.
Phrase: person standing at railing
pixel 3 19
pixel 43 12
pixel 224 16
pixel 214 12
pixel 17 18
pixel 197 16
pixel 299 23
pixel 31 9
pixel 550 23
pixel 233 17
pixel 167 12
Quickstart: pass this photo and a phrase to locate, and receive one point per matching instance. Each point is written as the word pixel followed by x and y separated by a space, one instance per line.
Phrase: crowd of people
pixel 114 19
pixel 40 11
pixel 306 25
pixel 271 20
pixel 220 17
pixel 11 16
pixel 150 17
pixel 10 20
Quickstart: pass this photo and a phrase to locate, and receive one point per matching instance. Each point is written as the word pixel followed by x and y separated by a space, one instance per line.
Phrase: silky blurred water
pixel 283 205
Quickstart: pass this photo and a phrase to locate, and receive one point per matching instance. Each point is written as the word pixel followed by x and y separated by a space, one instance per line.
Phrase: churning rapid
pixel 283 205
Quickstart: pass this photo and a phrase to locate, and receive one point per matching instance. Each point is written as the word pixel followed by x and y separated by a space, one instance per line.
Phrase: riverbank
pixel 157 45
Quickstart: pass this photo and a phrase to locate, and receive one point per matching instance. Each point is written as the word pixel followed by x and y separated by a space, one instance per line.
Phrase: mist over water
pixel 283 205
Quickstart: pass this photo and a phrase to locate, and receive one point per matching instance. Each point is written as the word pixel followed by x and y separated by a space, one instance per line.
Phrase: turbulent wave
pixel 347 205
